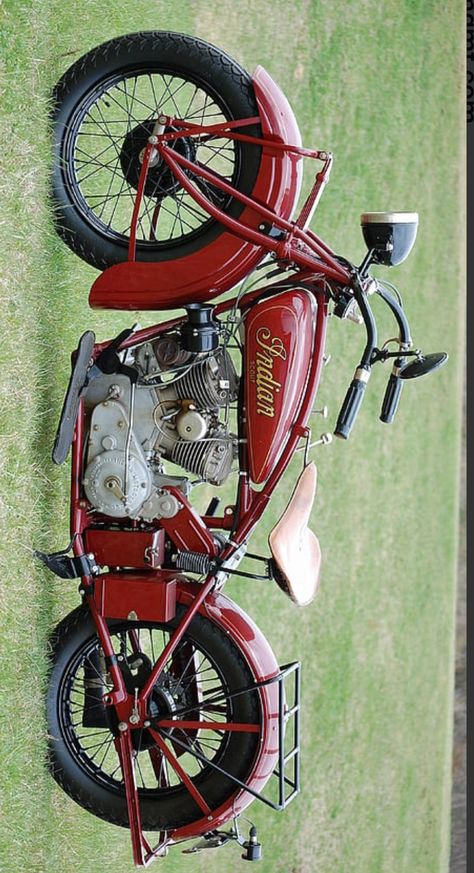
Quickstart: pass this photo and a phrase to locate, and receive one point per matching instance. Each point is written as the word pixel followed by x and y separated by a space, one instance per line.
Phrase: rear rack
pixel 288 785
pixel 293 755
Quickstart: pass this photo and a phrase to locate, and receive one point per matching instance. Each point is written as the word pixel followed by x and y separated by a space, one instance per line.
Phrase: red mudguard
pixel 219 266
pixel 259 656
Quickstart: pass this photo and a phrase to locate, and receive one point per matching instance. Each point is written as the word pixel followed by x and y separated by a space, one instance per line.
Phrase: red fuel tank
pixel 279 338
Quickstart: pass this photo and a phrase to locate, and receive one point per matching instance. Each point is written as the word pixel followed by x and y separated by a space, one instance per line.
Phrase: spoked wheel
pixel 196 686
pixel 105 108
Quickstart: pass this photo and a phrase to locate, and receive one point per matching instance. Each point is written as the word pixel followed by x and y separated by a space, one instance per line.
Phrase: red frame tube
pixel 227 129
pixel 322 263
pixel 318 256
pixel 138 199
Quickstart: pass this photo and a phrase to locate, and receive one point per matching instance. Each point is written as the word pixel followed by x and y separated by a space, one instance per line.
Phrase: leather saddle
pixel 295 548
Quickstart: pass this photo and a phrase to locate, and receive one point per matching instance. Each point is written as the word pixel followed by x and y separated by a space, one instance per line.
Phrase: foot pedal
pixel 253 849
pixel 77 383
pixel 67 567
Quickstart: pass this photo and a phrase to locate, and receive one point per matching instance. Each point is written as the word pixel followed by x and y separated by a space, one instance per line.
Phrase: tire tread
pixel 198 56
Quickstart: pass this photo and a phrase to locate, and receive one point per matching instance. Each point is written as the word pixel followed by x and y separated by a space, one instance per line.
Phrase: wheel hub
pixel 136 669
pixel 160 182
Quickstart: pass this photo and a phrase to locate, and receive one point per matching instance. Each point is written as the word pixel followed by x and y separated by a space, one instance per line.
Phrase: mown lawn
pixel 380 85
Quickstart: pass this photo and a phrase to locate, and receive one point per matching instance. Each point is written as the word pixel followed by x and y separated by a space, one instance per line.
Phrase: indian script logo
pixel 270 348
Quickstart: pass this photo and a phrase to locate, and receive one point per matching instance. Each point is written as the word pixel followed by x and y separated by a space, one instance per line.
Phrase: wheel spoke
pixel 170 95
pixel 138 122
pixel 188 108
pixel 160 767
pixel 107 750
pixel 181 773
pixel 98 746
pixel 108 196
pixel 117 196
pixel 137 764
pixel 105 175
pixel 98 168
pixel 113 142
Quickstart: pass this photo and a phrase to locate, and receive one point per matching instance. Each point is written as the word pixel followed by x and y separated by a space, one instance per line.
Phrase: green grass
pixel 380 85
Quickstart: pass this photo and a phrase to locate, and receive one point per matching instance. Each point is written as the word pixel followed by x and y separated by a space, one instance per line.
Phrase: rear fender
pixel 209 272
pixel 257 652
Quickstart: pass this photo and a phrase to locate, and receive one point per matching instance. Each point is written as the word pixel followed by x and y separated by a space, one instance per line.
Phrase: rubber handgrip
pixel 391 398
pixel 350 408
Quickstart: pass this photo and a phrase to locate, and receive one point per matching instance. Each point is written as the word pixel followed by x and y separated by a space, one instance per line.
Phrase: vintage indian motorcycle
pixel 177 175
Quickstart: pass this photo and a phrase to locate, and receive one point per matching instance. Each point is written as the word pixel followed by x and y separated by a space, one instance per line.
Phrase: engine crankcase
pixel 117 479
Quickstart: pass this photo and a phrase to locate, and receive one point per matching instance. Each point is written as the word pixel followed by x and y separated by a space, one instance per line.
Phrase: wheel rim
pixel 184 684
pixel 95 155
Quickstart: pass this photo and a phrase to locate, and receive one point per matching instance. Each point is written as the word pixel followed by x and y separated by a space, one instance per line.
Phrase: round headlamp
pixel 389 235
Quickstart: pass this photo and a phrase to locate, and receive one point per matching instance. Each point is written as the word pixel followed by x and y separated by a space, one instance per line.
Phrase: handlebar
pixel 355 393
pixel 391 398
pixel 395 383
pixel 350 407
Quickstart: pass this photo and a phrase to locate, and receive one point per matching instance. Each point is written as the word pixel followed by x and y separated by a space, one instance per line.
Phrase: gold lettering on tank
pixel 270 348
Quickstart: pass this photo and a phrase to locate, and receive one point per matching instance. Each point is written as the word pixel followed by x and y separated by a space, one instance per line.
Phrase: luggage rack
pixel 288 784
pixel 293 755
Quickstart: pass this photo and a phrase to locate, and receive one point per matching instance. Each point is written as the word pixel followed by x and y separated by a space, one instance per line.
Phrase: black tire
pixel 89 778
pixel 122 77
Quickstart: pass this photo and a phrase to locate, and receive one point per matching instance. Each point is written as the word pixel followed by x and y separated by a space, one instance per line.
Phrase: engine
pixel 175 408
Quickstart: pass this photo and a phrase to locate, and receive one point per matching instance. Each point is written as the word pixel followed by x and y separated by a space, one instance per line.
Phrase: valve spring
pixel 193 562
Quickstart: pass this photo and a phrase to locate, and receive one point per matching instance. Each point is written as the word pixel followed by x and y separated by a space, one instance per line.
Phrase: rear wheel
pixel 199 679
pixel 105 107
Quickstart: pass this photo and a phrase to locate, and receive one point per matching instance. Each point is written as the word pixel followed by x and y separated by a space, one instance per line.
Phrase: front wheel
pixel 104 109
pixel 198 679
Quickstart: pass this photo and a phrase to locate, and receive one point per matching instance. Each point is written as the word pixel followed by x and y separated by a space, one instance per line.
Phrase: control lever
pixel 346 307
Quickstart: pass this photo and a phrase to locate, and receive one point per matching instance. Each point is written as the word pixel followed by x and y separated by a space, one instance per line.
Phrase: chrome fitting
pixel 362 375
pixel 370 286
pixel 324 440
